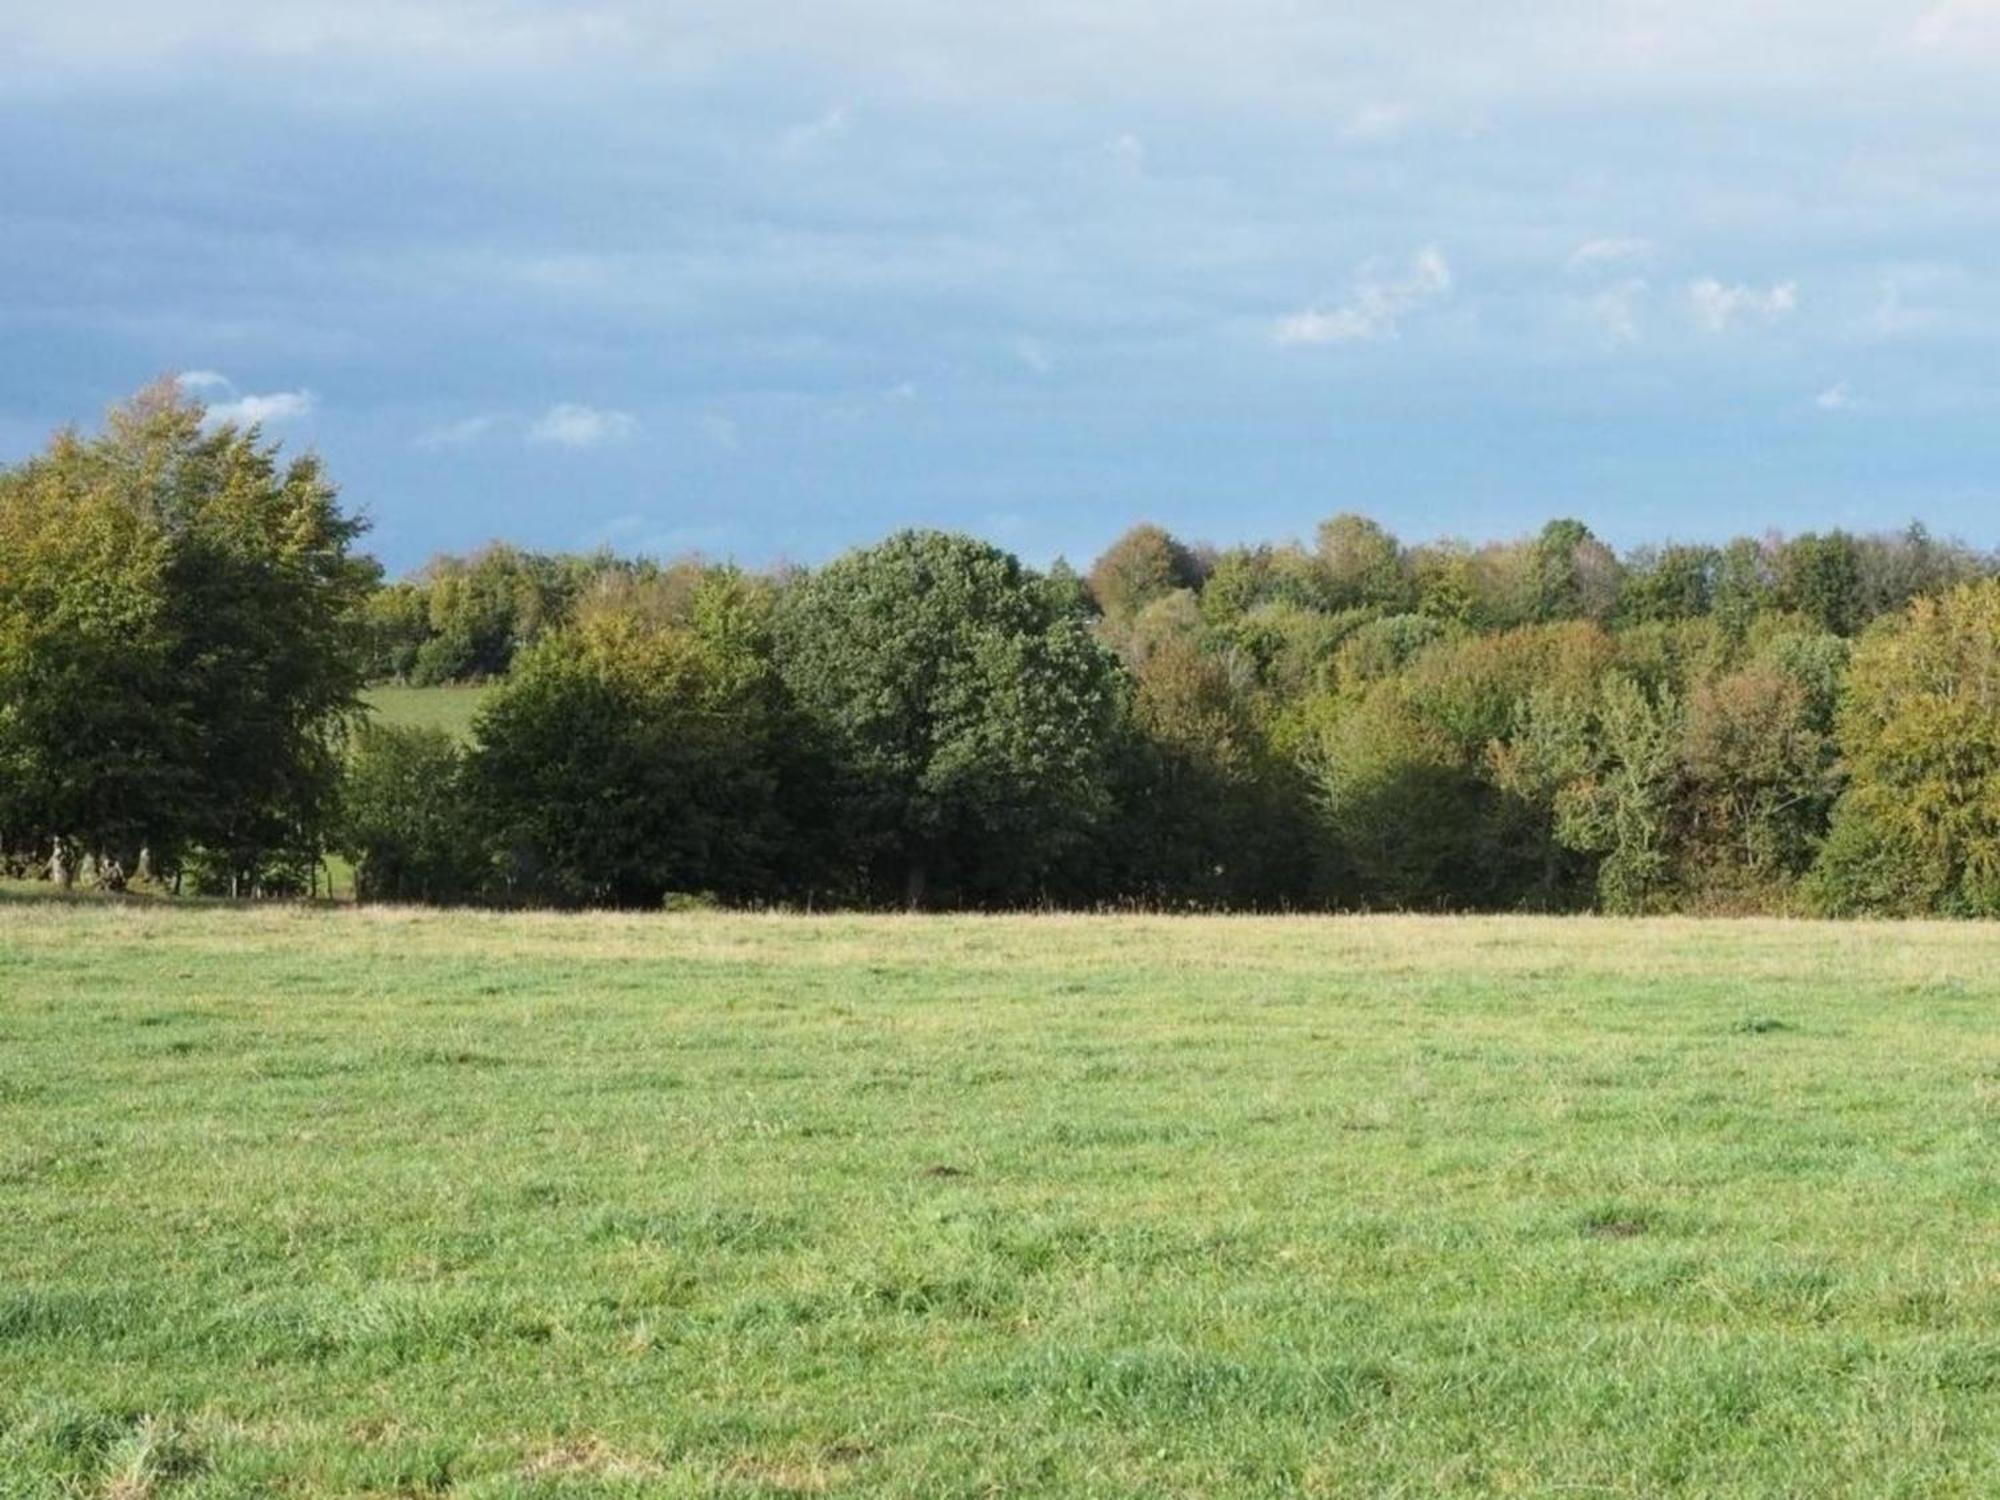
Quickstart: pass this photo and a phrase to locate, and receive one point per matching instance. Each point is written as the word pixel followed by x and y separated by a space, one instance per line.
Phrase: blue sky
pixel 765 280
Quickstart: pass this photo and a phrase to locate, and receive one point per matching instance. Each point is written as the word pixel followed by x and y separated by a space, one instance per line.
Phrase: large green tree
pixel 1364 564
pixel 1918 828
pixel 181 645
pixel 1142 565
pixel 95 748
pixel 625 759
pixel 971 708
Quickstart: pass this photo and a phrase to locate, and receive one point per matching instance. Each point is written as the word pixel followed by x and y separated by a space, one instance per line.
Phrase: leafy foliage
pixel 624 759
pixel 405 823
pixel 1918 828
pixel 969 707
pixel 1529 723
pixel 180 647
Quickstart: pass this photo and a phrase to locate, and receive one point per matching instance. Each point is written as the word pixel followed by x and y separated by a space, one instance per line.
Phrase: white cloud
pixel 458 434
pixel 1376 306
pixel 260 411
pixel 1835 397
pixel 1614 305
pixel 246 409
pixel 1717 307
pixel 1955 24
pixel 1127 153
pixel 475 33
pixel 1277 53
pixel 1907 303
pixel 1376 122
pixel 722 432
pixel 1616 309
pixel 1593 255
pixel 568 425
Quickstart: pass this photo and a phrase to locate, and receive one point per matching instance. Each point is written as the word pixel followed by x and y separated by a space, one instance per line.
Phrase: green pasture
pixel 364 1202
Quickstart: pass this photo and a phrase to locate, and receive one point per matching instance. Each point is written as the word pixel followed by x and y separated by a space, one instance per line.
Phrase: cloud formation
pixel 568 425
pixel 1376 306
pixel 1616 309
pixel 1959 24
pixel 262 411
pixel 459 433
pixel 802 218
pixel 1376 122
pixel 1718 307
pixel 1296 57
pixel 1597 254
pixel 242 408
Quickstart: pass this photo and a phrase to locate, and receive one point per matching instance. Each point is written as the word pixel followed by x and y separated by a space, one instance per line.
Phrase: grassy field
pixel 361 1202
pixel 449 708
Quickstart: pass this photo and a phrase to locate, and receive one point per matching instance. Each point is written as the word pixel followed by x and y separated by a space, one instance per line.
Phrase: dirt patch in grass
pixel 592 1457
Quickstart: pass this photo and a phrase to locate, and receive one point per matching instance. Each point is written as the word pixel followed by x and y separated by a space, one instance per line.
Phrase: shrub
pixel 406 823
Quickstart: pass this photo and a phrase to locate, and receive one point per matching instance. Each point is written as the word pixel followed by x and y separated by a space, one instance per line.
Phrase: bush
pixel 407 825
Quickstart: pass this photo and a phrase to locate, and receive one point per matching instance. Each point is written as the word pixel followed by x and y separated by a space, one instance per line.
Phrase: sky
pixel 764 280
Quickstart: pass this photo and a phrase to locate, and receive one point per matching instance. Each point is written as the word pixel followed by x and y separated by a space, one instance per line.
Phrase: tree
pixel 485 609
pixel 185 645
pixel 1210 815
pixel 1445 576
pixel 267 598
pixel 1404 814
pixel 1761 778
pixel 407 824
pixel 1743 587
pixel 95 749
pixel 1364 565
pixel 1623 807
pixel 1897 568
pixel 1918 827
pixel 1142 565
pixel 1819 576
pixel 969 707
pixel 1572 575
pixel 623 760
pixel 398 616
pixel 1668 583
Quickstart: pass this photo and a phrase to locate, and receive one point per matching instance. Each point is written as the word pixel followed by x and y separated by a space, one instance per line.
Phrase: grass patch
pixel 373 1202
pixel 451 708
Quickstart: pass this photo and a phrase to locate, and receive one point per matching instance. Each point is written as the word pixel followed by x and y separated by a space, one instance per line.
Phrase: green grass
pixel 358 1202
pixel 448 708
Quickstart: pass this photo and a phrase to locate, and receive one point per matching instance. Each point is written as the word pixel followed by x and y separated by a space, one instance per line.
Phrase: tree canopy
pixel 181 647
pixel 969 705
pixel 1538 722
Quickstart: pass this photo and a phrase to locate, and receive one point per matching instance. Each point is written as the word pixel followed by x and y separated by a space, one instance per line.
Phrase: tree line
pixel 1771 724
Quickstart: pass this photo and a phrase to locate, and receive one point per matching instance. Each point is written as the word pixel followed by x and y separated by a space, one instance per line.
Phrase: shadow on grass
pixel 47 893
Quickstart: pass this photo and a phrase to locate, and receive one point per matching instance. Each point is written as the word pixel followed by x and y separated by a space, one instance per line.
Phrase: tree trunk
pixel 913 885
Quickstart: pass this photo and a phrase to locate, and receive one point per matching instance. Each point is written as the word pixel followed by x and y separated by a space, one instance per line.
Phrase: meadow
pixel 450 707
pixel 359 1201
